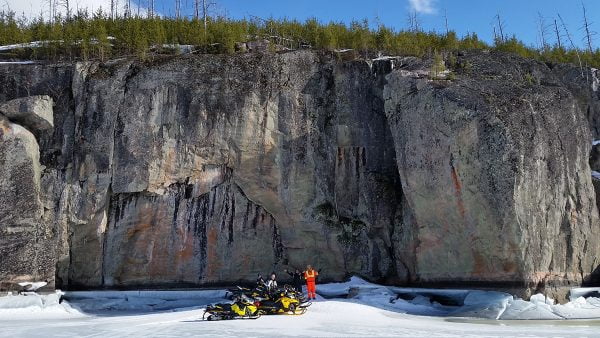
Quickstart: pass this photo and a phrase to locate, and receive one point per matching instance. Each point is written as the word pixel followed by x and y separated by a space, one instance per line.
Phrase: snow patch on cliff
pixel 33 44
pixel 18 62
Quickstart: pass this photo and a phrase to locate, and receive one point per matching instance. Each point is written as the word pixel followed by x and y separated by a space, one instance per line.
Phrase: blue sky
pixel 520 16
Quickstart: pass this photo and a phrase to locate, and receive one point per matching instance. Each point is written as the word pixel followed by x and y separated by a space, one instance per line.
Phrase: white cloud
pixel 423 6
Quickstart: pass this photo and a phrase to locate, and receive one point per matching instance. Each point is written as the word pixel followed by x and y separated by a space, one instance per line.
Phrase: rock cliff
pixel 26 244
pixel 204 170
pixel 494 167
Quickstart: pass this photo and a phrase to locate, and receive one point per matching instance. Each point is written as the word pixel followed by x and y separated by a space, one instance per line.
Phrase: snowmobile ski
pixel 216 317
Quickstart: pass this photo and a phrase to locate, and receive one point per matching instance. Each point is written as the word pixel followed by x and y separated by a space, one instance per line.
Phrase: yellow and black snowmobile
pixel 283 301
pixel 242 308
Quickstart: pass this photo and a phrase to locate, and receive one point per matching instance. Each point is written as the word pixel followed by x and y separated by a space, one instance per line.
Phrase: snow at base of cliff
pixel 36 306
pixel 354 308
pixel 465 303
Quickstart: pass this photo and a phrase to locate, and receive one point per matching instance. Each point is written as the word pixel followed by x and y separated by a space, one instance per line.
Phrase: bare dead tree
pixel 586 27
pixel 52 10
pixel 557 33
pixel 500 26
pixel 417 22
pixel 568 35
pixel 177 9
pixel 206 6
pixel 542 31
pixel 66 4
pixel 413 22
pixel 150 8
pixel 446 21
pixel 114 9
pixel 127 11
pixel 204 14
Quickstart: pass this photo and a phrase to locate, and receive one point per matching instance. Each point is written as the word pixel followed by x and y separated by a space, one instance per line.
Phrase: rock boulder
pixel 33 112
pixel 21 208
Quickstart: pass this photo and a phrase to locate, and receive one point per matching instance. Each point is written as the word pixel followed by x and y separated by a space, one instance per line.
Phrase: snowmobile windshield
pixel 246 299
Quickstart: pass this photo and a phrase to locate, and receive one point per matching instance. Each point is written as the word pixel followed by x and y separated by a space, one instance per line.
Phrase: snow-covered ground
pixel 368 310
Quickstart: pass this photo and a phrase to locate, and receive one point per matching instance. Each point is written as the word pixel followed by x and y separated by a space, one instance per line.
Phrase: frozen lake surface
pixel 370 311
pixel 330 318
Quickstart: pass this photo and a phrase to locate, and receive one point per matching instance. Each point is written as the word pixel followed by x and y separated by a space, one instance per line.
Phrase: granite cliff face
pixel 494 170
pixel 210 169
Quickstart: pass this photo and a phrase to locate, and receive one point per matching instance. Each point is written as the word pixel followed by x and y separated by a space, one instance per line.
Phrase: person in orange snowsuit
pixel 311 275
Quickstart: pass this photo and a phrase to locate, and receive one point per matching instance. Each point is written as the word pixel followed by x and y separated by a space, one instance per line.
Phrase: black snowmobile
pixel 243 307
pixel 257 292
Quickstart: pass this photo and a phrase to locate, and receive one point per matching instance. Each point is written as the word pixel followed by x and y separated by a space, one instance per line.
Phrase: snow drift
pixel 33 305
pixel 462 303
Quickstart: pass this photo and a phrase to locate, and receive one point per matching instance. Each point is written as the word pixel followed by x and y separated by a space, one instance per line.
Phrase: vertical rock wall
pixel 26 244
pixel 208 169
pixel 211 169
pixel 494 169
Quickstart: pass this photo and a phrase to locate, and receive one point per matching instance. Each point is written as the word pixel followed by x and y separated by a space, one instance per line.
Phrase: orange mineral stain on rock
pixel 146 238
pixel 509 267
pixel 4 129
pixel 169 162
pixel 143 222
pixel 479 264
pixel 212 257
pixel 458 192
pixel 138 229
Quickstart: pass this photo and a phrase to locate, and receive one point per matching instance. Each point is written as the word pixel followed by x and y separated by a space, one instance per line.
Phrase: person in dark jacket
pixel 260 281
pixel 296 279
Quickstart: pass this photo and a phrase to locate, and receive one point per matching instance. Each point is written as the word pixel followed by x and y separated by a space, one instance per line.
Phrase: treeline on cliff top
pixel 101 36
